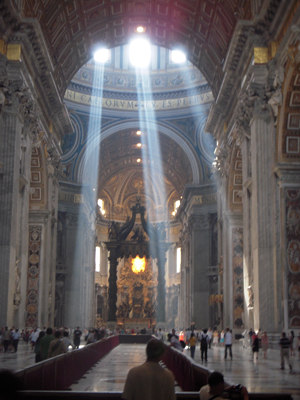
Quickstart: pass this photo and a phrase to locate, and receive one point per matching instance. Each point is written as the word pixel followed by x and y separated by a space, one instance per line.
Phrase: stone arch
pixel 190 153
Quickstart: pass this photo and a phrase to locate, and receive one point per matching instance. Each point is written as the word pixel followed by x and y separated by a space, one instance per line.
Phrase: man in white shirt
pixel 160 335
pixel 209 334
pixel 228 343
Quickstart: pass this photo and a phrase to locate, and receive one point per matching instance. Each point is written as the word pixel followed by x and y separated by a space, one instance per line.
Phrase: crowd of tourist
pixel 257 340
pixel 48 342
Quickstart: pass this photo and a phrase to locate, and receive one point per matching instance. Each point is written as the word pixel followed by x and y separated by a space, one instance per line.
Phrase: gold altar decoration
pixel 137 292
pixel 138 264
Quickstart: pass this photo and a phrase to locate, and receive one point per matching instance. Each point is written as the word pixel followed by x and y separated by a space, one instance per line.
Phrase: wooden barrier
pixel 48 379
pixel 58 373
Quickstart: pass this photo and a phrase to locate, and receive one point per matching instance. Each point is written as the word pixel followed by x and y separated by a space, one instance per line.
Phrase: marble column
pixel 22 228
pixel 161 285
pixel 184 303
pixel 10 138
pixel 262 220
pixel 200 257
pixel 233 270
pixel 247 211
pixel 79 290
pixel 37 290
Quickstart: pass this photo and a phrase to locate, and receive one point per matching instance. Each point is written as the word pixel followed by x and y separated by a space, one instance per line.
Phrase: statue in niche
pixel 250 297
pixel 114 230
pixel 17 293
pixel 275 96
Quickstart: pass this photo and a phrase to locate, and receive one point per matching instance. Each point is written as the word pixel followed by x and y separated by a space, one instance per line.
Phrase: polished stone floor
pixel 109 374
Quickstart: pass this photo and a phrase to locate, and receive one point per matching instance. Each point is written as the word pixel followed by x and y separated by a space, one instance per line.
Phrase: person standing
pixel 228 343
pixel 160 335
pixel 284 344
pixel 216 337
pixel 37 349
pixel 45 343
pixel 188 336
pixel 192 344
pixel 209 334
pixel 66 341
pixel 6 339
pixel 33 337
pixel 255 345
pixel 265 344
pixel 222 334
pixel 259 333
pixel 204 344
pixel 76 337
pixel 292 337
pixel 150 381
pixel 251 332
pixel 16 337
pixel 57 346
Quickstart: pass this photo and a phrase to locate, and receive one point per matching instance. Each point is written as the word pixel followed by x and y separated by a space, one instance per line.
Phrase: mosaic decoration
pixel 237 267
pixel 293 255
pixel 32 293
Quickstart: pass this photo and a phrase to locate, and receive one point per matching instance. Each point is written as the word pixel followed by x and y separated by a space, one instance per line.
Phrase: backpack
pixel 203 341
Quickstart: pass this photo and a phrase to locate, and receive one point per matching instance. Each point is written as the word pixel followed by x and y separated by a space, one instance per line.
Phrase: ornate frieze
pixel 32 295
pixel 237 276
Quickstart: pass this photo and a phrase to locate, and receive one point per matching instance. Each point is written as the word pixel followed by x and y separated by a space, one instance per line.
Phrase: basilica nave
pixel 164 195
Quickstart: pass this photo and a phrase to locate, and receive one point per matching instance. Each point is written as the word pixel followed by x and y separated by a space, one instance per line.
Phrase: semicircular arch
pixel 197 172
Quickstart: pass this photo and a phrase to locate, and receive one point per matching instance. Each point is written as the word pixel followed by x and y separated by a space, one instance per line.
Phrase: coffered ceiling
pixel 72 27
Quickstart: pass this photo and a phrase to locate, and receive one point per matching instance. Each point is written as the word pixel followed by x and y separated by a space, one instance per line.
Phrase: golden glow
pixel 139 132
pixel 140 29
pixel 138 265
pixel 138 160
pixel 139 145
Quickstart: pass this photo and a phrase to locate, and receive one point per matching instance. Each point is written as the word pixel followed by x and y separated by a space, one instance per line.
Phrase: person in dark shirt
pixel 77 336
pixel 284 344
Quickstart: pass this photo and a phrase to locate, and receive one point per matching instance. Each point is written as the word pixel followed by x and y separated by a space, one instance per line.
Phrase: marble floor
pixel 109 374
